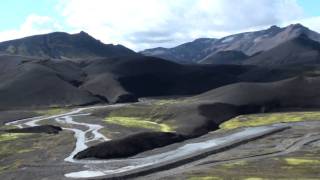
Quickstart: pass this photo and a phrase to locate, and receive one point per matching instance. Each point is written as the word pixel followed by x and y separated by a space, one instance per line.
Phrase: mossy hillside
pixel 286 168
pixel 13 143
pixel 11 136
pixel 6 127
pixel 33 149
pixel 269 118
pixel 233 164
pixel 302 161
pixel 136 122
pixel 205 178
pixel 52 111
pixel 157 112
pixel 13 166
pixel 155 117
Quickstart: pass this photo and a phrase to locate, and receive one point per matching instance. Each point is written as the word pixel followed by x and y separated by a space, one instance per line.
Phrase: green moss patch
pixel 238 163
pixel 269 118
pixel 205 178
pixel 34 149
pixel 300 165
pixel 136 122
pixel 11 136
pixel 52 111
pixel 166 102
pixel 13 166
pixel 301 161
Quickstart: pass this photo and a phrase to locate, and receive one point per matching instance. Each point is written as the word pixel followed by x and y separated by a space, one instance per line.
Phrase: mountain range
pixel 61 69
pixel 60 45
pixel 236 46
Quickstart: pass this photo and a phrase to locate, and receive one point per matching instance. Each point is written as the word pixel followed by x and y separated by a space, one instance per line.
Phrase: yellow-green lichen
pixel 137 122
pixel 269 118
pixel 205 178
pixel 238 163
pixel 11 136
pixel 52 111
pixel 14 166
pixel 254 178
pixel 166 102
pixel 301 161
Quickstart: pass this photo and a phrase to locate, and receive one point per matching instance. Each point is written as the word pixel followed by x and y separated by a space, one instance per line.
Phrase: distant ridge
pixel 60 45
pixel 249 43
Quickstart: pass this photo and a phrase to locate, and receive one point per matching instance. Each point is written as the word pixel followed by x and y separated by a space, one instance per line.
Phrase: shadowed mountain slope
pixel 225 57
pixel 248 43
pixel 200 114
pixel 60 45
pixel 298 51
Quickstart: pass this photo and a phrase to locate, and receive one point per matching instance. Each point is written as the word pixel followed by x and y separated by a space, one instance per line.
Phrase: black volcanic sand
pixel 13 115
pixel 49 129
pixel 200 114
pixel 130 145
pixel 62 45
pixel 39 83
pixel 42 83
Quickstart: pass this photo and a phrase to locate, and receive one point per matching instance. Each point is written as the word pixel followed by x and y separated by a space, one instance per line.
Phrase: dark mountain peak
pixel 300 50
pixel 204 40
pixel 249 43
pixel 274 27
pixel 61 45
pixel 84 33
pixel 297 27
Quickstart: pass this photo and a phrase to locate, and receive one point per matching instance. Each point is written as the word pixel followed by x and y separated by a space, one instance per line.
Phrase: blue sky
pixel 143 24
pixel 14 12
pixel 311 7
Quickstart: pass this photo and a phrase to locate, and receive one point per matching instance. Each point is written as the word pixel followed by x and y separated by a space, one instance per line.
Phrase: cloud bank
pixel 142 24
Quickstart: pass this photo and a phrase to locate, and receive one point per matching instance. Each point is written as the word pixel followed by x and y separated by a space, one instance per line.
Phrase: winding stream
pixel 98 168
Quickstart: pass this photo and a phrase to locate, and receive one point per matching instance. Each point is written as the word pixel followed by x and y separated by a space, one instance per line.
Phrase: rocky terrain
pixel 249 43
pixel 60 45
pixel 72 107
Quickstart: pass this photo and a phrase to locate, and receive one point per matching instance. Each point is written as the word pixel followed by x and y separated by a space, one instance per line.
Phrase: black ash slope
pixel 298 51
pixel 205 112
pixel 62 45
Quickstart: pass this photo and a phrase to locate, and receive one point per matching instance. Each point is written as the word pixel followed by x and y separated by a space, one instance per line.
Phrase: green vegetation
pixel 301 161
pixel 269 118
pixel 136 122
pixel 152 117
pixel 144 111
pixel 205 178
pixel 11 136
pixel 238 163
pixel 280 168
pixel 13 166
pixel 26 150
pixel 52 111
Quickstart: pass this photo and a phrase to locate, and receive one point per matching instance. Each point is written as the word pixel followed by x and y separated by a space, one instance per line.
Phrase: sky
pixel 142 24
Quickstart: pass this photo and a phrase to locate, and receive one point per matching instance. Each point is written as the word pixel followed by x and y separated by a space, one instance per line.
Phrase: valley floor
pixel 272 146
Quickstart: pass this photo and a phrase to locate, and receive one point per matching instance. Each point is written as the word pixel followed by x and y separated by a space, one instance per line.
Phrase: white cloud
pixel 141 24
pixel 34 24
